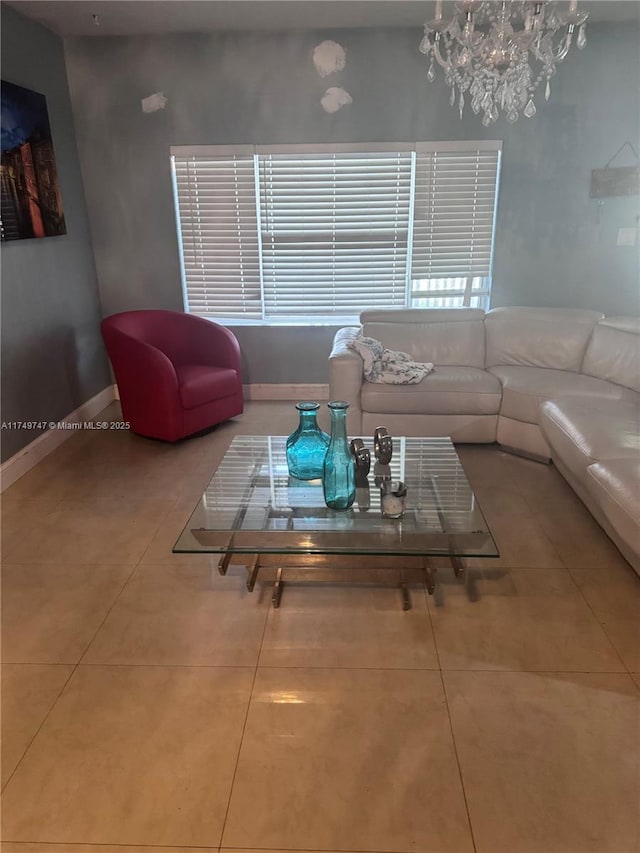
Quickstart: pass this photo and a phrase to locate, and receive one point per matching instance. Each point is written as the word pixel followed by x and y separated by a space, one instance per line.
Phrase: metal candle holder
pixel 382 445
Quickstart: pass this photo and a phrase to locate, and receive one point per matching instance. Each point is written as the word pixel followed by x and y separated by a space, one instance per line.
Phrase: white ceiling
pixel 140 17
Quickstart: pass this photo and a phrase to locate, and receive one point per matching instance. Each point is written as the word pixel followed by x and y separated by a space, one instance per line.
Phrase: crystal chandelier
pixel 498 53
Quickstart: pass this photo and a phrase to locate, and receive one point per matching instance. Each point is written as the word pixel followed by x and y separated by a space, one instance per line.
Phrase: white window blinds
pixel 455 199
pixel 313 233
pixel 334 231
pixel 215 200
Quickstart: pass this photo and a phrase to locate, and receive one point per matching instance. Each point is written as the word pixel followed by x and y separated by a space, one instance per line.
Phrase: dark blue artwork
pixel 31 204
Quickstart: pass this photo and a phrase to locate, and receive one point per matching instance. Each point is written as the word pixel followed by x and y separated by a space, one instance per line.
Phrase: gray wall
pixel 262 88
pixel 52 355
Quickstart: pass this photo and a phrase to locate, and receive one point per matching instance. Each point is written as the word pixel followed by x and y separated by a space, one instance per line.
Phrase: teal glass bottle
pixel 339 476
pixel 307 445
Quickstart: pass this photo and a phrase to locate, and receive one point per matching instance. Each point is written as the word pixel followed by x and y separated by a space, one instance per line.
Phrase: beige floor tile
pixel 20 517
pixel 50 612
pixel 502 499
pixel 538 482
pixel 133 484
pixel 549 761
pixel 28 693
pixel 483 464
pixel 121 451
pixel 159 551
pixel 92 531
pixel 521 542
pixel 518 619
pixel 343 626
pixel 615 599
pixel 45 483
pixel 269 417
pixel 577 536
pixel 520 538
pixel 173 615
pixel 47 480
pixel 347 760
pixel 136 469
pixel 132 755
pixel 113 464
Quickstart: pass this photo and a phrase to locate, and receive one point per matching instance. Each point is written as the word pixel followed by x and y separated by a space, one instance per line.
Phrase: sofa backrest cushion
pixel 440 335
pixel 539 337
pixel 614 352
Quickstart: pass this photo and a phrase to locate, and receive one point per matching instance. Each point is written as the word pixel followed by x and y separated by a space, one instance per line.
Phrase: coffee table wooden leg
pixel 277 588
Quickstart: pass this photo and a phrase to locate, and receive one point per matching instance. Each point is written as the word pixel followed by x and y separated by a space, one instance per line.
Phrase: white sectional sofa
pixel 548 383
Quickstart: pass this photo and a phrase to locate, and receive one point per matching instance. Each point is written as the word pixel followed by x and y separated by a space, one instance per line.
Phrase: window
pixel 286 234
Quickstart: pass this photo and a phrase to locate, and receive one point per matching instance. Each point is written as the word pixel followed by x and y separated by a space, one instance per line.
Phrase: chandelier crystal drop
pixel 498 53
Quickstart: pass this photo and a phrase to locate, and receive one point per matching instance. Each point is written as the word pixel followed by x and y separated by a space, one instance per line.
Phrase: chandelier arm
pixel 562 50
pixel 446 64
pixel 565 46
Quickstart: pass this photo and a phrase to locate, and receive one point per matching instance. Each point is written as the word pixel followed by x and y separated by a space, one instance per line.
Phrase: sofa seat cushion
pixel 581 432
pixel 200 384
pixel 615 486
pixel 449 390
pixel 525 388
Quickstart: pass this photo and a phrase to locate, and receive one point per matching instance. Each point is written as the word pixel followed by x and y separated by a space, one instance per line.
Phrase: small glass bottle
pixel 307 445
pixel 339 476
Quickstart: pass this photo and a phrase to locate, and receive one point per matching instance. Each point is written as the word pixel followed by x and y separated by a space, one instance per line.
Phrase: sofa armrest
pixel 345 377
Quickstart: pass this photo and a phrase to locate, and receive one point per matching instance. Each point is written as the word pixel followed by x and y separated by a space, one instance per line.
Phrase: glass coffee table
pixel 253 507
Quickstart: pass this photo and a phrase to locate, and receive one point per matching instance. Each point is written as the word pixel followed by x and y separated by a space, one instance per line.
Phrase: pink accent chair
pixel 177 374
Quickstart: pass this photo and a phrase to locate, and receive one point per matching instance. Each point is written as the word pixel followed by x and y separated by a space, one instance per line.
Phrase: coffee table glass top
pixel 252 505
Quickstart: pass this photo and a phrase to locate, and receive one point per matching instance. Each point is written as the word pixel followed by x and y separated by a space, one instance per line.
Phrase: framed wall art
pixel 31 205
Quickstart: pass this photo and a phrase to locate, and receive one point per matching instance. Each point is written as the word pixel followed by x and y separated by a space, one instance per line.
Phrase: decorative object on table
pixel 386 366
pixel 307 445
pixel 393 495
pixel 363 495
pixel 381 472
pixel 497 54
pixel 339 474
pixel 31 202
pixel 362 459
pixel 382 445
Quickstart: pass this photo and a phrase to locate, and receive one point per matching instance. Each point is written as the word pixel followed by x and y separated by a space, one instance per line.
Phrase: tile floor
pixel 150 704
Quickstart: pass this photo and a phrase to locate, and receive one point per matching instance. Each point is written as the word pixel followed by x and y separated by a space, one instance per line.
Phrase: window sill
pixel 334 322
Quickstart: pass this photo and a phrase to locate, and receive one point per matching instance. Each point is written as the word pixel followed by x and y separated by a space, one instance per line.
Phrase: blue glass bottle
pixel 339 476
pixel 307 445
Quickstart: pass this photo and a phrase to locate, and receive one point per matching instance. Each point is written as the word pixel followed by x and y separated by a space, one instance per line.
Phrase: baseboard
pixel 285 391
pixel 44 444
